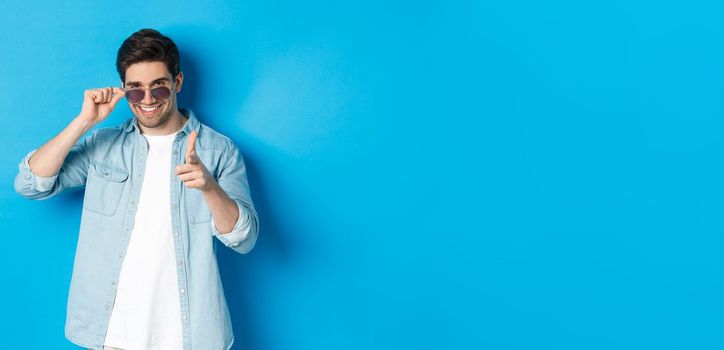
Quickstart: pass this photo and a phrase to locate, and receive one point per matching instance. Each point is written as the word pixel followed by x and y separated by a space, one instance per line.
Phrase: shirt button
pixel 182 290
pixel 184 317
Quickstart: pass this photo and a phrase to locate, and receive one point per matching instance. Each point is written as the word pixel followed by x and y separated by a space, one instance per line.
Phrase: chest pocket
pixel 104 188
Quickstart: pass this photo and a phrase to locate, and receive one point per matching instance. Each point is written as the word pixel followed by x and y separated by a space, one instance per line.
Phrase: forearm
pixel 222 207
pixel 48 159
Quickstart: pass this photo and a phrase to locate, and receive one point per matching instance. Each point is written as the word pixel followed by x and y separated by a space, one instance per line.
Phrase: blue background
pixel 435 175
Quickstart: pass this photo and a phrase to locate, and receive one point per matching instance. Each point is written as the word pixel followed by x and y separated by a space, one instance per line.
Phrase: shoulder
pixel 219 147
pixel 210 139
pixel 106 135
pixel 109 131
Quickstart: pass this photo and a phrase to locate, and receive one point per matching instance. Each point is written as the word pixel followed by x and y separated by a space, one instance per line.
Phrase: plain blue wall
pixel 436 175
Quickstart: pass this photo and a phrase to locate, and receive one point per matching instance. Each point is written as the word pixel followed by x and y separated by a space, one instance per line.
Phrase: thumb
pixel 117 96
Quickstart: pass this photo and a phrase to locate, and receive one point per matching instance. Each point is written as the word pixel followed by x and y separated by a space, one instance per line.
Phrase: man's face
pixel 149 112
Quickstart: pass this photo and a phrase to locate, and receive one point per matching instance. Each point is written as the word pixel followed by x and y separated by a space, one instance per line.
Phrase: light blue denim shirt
pixel 110 164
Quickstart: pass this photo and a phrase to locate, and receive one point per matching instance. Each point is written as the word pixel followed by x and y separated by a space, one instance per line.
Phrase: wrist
pixel 83 123
pixel 211 186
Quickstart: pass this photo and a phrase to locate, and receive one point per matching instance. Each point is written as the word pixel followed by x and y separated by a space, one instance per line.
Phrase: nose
pixel 148 97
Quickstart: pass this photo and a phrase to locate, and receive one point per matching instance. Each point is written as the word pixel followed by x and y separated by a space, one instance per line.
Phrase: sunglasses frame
pixel 154 93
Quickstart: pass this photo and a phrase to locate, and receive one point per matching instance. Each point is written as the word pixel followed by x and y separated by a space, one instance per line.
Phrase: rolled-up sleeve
pixel 233 181
pixel 29 183
pixel 71 176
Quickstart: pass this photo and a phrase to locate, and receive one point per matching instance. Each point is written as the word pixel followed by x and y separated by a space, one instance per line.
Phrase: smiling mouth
pixel 149 110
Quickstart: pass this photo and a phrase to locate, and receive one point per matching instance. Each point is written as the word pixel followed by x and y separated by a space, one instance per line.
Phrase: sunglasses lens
pixel 161 93
pixel 135 96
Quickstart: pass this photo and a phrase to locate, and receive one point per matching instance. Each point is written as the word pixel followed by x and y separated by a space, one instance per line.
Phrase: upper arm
pixel 232 177
pixel 233 180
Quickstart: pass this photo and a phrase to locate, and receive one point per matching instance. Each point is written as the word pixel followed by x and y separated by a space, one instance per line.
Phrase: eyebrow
pixel 155 81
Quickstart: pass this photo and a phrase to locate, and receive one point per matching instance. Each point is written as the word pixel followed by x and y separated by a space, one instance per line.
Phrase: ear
pixel 179 81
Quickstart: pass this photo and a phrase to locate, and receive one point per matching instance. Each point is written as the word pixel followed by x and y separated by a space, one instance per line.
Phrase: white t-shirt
pixel 147 311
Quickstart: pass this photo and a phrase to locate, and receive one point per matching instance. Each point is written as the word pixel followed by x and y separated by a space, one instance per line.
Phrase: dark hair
pixel 147 45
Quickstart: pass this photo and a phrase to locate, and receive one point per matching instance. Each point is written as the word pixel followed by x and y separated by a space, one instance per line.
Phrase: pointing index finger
pixel 191 149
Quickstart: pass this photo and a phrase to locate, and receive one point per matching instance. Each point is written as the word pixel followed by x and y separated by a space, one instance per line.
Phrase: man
pixel 158 190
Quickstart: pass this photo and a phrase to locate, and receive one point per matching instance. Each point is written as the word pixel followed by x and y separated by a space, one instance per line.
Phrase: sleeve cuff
pixel 239 233
pixel 37 182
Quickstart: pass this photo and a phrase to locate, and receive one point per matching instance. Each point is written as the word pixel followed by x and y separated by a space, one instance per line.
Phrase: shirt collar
pixel 190 125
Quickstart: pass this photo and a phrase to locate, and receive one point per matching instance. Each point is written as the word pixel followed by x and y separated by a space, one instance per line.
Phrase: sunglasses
pixel 136 95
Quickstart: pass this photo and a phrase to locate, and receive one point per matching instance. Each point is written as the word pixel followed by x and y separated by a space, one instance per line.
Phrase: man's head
pixel 145 61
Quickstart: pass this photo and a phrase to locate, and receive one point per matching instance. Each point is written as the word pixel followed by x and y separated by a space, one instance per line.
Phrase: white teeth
pixel 149 109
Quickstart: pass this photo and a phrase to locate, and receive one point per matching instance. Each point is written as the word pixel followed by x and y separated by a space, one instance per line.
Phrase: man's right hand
pixel 99 103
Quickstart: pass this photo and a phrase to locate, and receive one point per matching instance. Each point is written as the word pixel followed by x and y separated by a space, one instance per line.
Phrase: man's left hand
pixel 194 173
